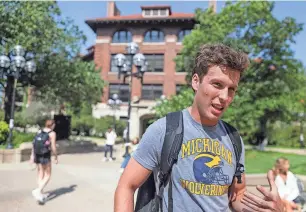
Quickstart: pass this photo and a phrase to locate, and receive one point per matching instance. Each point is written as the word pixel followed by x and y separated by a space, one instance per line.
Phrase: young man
pixel 110 136
pixel 206 145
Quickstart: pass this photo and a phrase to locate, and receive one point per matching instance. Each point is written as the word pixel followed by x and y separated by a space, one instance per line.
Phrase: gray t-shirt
pixel 205 167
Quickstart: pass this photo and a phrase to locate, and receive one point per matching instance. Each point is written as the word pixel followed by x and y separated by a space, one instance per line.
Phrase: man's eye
pixel 217 85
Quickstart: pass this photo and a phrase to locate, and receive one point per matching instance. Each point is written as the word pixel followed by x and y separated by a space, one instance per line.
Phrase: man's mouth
pixel 218 107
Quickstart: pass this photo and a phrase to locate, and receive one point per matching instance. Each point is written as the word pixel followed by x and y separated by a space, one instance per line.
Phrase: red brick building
pixel 159 33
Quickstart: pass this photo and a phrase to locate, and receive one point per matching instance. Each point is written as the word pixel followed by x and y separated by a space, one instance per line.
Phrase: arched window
pixel 122 36
pixel 154 36
pixel 182 34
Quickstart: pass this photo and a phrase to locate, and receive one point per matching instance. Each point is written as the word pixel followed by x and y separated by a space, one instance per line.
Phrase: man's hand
pixel 271 200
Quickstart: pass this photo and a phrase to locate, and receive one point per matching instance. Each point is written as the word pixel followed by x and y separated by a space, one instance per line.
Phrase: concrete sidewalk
pixel 80 182
pixel 283 150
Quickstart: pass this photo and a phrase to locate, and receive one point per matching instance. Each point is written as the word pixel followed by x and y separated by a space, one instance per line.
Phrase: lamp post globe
pixel 30 66
pixel 125 68
pixel 139 60
pixel 12 65
pixel 120 60
pixel 132 48
pixel 18 51
pixel 4 62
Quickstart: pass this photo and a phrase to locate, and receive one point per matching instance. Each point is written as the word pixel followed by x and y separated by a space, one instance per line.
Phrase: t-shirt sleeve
pixel 148 152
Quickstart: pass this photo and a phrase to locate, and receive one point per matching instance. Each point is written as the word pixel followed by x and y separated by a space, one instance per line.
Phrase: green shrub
pixel 20 137
pixel 285 135
pixel 4 129
pixel 1 115
pixel 88 123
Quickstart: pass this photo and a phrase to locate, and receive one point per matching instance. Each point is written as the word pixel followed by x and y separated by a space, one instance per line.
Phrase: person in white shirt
pixel 286 184
pixel 110 136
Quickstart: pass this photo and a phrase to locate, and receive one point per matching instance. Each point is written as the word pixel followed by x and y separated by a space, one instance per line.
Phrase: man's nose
pixel 223 95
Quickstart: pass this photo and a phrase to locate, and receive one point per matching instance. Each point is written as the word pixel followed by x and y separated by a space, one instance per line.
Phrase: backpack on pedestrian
pixel 42 143
pixel 149 198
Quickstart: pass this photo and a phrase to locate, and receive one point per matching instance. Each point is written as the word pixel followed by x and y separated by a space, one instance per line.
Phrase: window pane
pixel 163 12
pixel 179 88
pixel 151 92
pixel 155 62
pixel 121 89
pixel 183 33
pixel 147 12
pixel 154 36
pixel 122 36
pixel 155 12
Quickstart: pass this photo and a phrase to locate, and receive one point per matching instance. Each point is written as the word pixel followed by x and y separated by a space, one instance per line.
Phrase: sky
pixel 80 11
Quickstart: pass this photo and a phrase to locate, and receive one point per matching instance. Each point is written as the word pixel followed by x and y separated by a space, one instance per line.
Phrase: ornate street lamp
pixel 13 66
pixel 114 103
pixel 124 65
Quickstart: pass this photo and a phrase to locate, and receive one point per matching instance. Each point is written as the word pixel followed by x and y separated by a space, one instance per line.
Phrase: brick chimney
pixel 213 4
pixel 112 9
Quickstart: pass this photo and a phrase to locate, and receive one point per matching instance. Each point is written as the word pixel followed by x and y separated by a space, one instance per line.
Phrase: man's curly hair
pixel 219 54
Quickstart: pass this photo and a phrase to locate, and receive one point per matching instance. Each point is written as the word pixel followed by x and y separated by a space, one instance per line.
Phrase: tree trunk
pixel 8 98
pixel 263 134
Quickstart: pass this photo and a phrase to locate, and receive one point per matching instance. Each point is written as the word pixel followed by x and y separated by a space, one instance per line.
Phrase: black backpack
pixel 148 200
pixel 41 143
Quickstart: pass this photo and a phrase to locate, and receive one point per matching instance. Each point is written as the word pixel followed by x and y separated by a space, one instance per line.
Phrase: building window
pixel 155 12
pixel 182 34
pixel 155 62
pixel 154 36
pixel 121 89
pixel 151 92
pixel 122 36
pixel 147 12
pixel 179 88
pixel 113 67
pixel 162 12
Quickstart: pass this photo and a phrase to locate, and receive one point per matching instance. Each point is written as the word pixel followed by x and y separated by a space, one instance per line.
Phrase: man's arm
pixel 145 159
pixel 132 178
pixel 236 194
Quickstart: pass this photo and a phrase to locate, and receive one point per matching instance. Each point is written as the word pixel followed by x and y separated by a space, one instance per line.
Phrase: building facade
pixel 159 33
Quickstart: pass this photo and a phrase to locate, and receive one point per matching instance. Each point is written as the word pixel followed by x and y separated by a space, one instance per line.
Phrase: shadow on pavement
pixel 77 147
pixel 60 191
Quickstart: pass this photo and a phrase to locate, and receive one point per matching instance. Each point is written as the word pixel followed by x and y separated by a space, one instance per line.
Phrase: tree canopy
pixel 54 42
pixel 273 88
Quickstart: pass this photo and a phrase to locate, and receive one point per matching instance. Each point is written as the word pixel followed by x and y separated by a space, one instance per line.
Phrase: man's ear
pixel 195 82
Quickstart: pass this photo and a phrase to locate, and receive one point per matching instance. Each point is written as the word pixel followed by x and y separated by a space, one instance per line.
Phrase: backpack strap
pixel 170 150
pixel 237 144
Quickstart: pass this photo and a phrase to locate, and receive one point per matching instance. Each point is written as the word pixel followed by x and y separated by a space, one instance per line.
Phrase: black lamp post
pixel 14 66
pixel 124 65
pixel 114 103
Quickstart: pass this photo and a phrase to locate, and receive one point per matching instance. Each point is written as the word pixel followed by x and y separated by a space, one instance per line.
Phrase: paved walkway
pixel 283 150
pixel 80 182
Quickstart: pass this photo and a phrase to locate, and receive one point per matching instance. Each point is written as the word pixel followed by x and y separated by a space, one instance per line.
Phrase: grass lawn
pixel 261 162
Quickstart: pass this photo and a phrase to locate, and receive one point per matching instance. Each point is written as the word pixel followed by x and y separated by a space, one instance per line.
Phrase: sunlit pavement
pixel 80 182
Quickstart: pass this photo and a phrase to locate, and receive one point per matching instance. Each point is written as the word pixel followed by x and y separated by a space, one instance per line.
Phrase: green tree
pixel 54 43
pixel 273 85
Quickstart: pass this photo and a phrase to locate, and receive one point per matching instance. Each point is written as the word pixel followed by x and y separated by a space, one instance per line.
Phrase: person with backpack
pixel 190 160
pixel 44 144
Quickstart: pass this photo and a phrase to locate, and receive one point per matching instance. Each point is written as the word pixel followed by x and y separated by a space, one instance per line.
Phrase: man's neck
pixel 194 112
